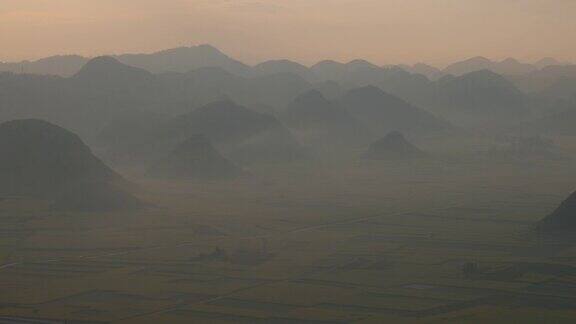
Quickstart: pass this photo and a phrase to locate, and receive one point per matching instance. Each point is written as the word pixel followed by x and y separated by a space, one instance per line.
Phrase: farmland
pixel 349 241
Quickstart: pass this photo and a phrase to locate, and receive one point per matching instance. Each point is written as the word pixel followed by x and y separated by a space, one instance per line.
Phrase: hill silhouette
pixel 547 61
pixel 480 98
pixel 139 138
pixel 190 77
pixel 206 85
pixel 103 88
pixel 354 73
pixel 329 70
pixel 62 65
pixel 383 112
pixel 429 71
pixel 509 66
pixel 242 134
pixel 223 122
pixel 278 89
pixel 469 65
pixel 313 108
pixel 184 59
pixel 393 147
pixel 105 76
pixel 43 160
pixel 195 159
pixel 544 78
pixel 284 66
pixel 320 121
pixel 404 83
pixel 561 219
pixel 180 59
pixel 108 69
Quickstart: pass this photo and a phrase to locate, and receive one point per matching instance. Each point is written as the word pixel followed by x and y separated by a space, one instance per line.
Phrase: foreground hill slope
pixel 563 218
pixel 43 160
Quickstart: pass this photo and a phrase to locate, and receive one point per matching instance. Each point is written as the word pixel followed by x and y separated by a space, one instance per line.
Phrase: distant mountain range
pixel 181 59
pixel 509 66
pixel 479 98
pixel 133 114
pixel 182 78
pixel 184 59
pixel 63 65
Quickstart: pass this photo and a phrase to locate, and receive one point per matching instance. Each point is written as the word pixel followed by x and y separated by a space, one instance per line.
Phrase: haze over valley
pixel 193 185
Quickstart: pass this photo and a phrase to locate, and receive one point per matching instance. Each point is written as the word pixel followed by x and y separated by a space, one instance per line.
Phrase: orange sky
pixel 382 31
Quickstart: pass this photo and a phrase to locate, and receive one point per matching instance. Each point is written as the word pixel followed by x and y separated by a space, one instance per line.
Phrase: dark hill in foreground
pixel 563 218
pixel 42 160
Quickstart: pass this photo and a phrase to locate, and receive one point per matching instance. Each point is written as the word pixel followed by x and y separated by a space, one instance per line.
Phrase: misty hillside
pixel 508 66
pixel 106 79
pixel 186 77
pixel 62 65
pixel 431 72
pixel 134 137
pixel 557 122
pixel 545 77
pixel 104 87
pixel 183 59
pixel 42 160
pixel 527 76
pixel 480 98
pixel 383 112
pixel 240 132
pixel 284 66
pixel 195 159
pixel 393 147
pixel 91 98
pixel 84 102
pixel 322 122
pixel 143 137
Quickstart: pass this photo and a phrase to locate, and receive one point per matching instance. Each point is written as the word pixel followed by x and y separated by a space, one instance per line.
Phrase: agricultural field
pixel 345 242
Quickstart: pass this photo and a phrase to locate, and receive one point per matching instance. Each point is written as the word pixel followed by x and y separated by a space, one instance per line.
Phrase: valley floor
pixel 360 242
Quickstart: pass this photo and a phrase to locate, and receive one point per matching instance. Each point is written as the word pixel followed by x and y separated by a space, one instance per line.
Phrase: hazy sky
pixel 382 31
